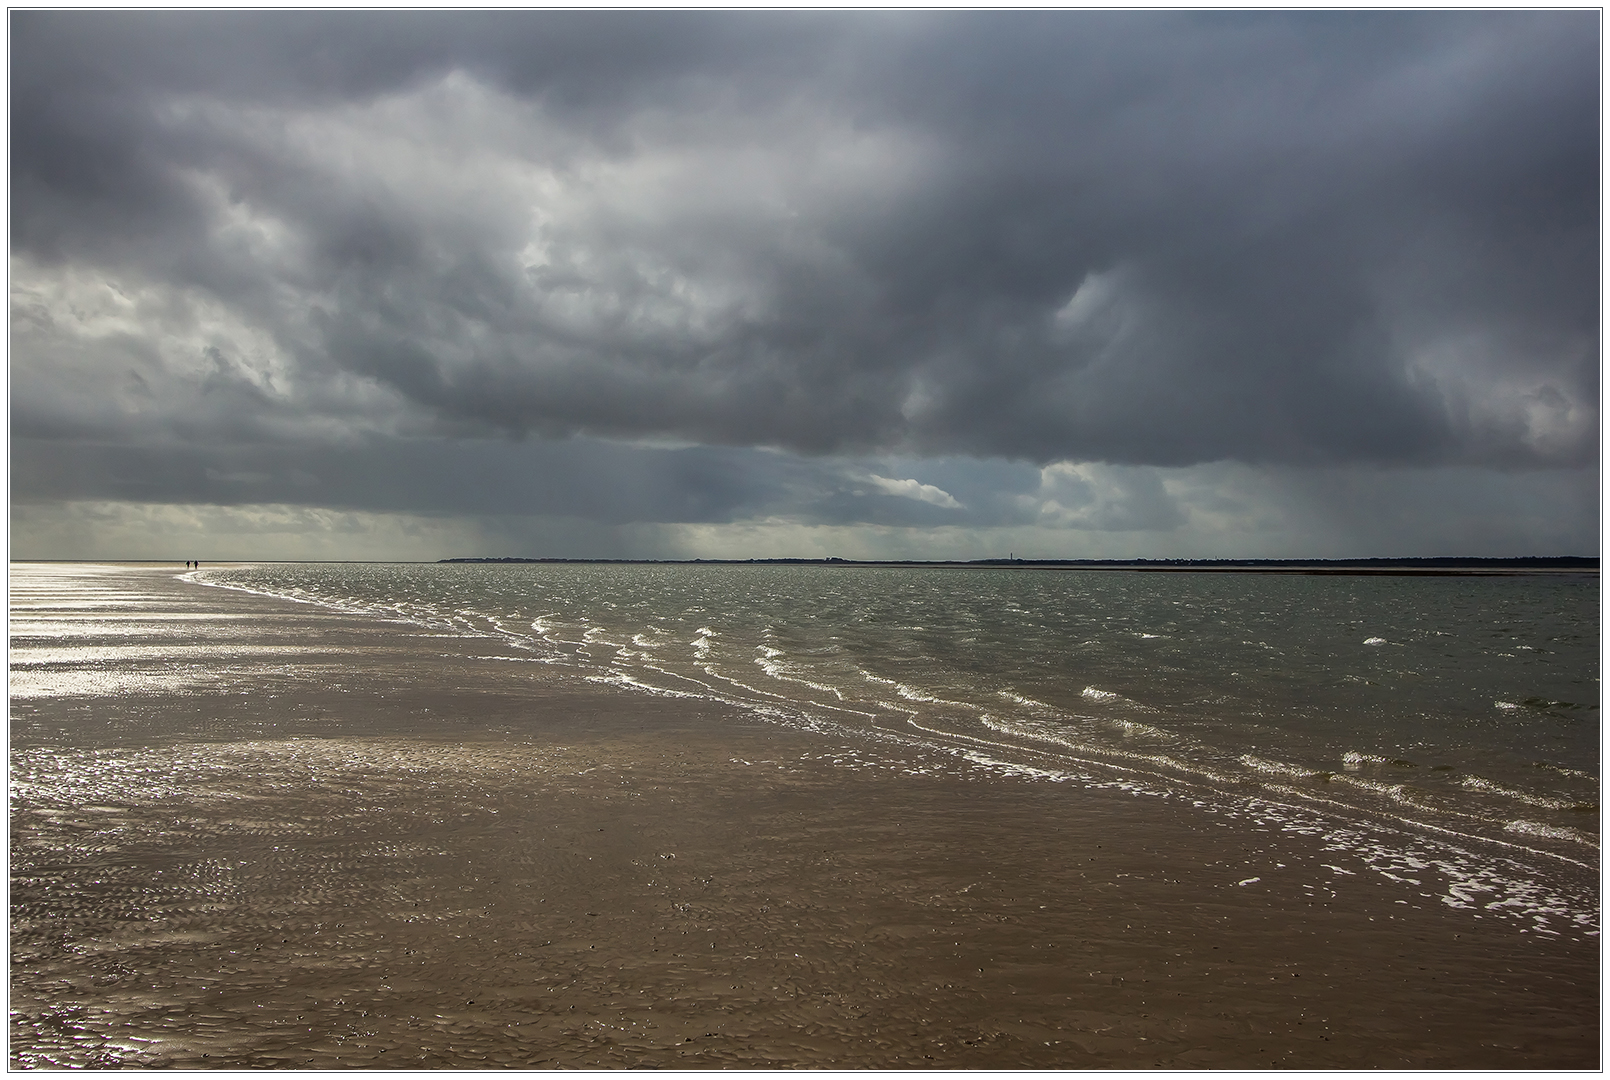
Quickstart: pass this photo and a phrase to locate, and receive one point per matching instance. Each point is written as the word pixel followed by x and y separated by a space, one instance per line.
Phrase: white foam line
pixel 1030 703
pixel 522 659
pixel 714 674
pixel 1195 773
pixel 323 602
pixel 912 720
pixel 716 694
pixel 622 679
pixel 1261 805
pixel 668 673
pixel 775 670
pixel 1448 812
pixel 430 621
pixel 1413 824
pixel 1127 778
pixel 1489 787
pixel 912 694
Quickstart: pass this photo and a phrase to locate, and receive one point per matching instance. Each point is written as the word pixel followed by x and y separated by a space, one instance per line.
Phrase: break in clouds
pixel 672 283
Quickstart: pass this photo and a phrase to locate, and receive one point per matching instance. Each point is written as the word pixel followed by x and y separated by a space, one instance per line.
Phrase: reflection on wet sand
pixel 377 852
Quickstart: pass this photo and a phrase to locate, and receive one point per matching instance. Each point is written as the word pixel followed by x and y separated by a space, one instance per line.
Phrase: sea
pixel 1430 728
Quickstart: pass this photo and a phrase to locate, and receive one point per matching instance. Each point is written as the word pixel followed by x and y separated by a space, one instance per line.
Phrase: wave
pixel 1279 768
pixel 1488 787
pixel 1550 832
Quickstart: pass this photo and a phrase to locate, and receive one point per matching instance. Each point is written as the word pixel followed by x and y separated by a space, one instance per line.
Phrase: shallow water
pixel 254 833
pixel 1448 721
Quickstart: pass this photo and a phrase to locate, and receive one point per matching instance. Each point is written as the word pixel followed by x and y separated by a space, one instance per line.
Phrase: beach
pixel 248 832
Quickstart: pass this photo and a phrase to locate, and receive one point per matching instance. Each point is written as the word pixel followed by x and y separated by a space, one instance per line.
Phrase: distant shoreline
pixel 1440 566
pixel 1428 567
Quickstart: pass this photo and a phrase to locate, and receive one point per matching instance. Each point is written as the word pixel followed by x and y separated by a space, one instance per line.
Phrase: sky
pixel 911 284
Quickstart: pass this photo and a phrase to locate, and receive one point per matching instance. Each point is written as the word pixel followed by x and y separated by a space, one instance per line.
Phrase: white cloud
pixel 911 489
pixel 1109 498
pixel 1095 307
pixel 1540 405
pixel 126 352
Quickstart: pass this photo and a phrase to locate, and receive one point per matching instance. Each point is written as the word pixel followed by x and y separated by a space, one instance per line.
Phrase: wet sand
pixel 252 833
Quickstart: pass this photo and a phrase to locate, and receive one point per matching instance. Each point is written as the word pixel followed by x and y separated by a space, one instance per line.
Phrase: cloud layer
pixel 706 267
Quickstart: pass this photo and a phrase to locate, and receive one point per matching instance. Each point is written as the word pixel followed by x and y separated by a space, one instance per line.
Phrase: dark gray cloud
pixel 361 248
pixel 605 482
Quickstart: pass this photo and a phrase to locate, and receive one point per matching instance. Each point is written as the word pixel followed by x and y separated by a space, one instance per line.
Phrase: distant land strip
pixel 1398 567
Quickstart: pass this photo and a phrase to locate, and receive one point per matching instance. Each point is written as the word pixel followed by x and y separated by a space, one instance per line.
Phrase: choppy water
pixel 1444 722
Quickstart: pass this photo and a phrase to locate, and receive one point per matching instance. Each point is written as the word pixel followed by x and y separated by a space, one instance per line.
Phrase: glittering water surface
pixel 941 818
pixel 1447 721
pixel 1438 724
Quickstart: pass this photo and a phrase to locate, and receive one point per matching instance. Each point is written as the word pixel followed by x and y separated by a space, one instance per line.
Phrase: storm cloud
pixel 824 268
